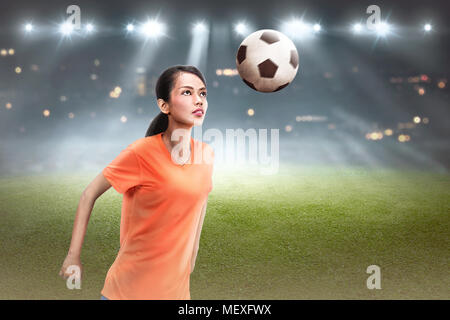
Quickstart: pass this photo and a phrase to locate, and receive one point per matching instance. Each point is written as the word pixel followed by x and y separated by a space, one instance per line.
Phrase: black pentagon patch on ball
pixel 249 84
pixel 241 54
pixel 269 37
pixel 281 87
pixel 267 69
pixel 294 59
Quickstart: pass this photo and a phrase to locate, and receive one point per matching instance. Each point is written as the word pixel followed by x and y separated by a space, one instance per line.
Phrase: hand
pixel 70 261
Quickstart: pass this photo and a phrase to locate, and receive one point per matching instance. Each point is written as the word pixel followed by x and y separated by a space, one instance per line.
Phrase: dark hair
pixel 163 87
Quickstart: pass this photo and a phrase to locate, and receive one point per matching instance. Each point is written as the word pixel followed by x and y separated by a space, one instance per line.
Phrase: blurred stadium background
pixel 73 102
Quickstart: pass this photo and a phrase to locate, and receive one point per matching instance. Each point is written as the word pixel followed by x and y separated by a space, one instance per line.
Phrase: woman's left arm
pixel 197 236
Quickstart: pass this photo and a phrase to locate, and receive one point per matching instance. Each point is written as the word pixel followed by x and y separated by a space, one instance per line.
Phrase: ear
pixel 163 106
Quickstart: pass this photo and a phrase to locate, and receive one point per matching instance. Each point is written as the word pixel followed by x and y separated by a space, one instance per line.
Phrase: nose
pixel 198 99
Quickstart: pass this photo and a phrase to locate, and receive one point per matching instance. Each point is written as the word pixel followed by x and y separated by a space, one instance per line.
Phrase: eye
pixel 204 92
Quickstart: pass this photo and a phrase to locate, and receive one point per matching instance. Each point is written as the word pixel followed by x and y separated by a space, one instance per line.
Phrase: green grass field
pixel 306 233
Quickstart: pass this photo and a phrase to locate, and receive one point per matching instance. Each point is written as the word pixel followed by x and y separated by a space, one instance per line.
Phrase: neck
pixel 180 136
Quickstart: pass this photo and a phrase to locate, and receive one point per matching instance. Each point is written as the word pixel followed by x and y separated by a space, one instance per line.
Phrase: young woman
pixel 165 179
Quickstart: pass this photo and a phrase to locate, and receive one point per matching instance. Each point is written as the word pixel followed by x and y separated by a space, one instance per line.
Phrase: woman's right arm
pixel 94 190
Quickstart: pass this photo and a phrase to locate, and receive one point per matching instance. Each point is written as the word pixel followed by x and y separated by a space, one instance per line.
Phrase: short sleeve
pixel 124 171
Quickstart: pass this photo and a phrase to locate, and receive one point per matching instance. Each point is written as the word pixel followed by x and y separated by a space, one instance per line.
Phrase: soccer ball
pixel 267 60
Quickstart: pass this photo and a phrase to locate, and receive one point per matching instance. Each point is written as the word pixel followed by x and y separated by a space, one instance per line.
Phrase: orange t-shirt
pixel 161 209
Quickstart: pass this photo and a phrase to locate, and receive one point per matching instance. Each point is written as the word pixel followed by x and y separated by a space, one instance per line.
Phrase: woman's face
pixel 188 94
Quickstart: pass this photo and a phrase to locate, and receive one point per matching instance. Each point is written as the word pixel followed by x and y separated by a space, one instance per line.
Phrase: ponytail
pixel 159 124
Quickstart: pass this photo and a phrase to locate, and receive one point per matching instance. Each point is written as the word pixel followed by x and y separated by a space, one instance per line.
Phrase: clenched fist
pixel 70 263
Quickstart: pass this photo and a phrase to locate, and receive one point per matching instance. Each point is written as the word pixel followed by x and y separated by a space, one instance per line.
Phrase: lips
pixel 198 112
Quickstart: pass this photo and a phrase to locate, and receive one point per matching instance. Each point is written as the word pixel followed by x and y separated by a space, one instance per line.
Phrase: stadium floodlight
pixel 298 26
pixel 89 28
pixel 427 27
pixel 240 28
pixel 357 28
pixel 130 27
pixel 152 29
pixel 199 27
pixel 66 28
pixel 382 28
pixel 28 27
pixel 317 27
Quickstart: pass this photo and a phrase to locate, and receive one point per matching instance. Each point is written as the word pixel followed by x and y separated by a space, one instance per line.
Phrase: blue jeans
pixel 103 298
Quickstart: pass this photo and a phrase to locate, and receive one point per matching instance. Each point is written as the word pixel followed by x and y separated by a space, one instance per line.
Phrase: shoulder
pixel 203 146
pixel 206 150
